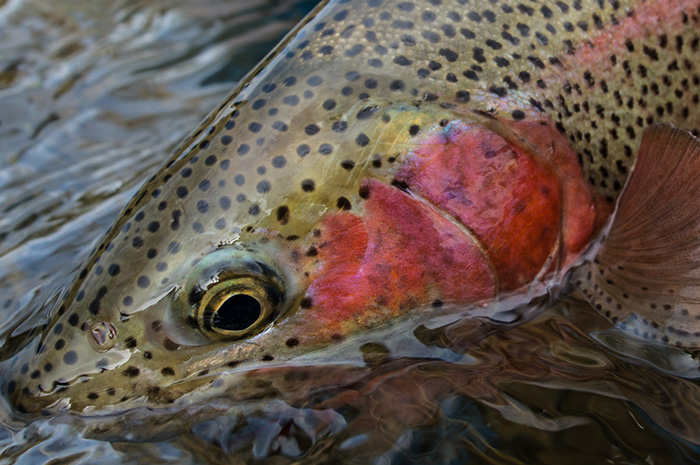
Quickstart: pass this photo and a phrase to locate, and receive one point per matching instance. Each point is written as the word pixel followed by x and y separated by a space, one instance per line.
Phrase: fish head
pixel 315 203
pixel 223 262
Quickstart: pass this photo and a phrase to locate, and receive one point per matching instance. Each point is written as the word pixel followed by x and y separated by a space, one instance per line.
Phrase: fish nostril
pixel 103 335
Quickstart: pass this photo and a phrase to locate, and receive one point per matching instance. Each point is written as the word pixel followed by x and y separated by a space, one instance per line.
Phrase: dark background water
pixel 94 94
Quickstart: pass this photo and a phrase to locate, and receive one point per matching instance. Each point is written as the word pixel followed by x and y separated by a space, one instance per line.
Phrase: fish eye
pixel 236 313
pixel 230 295
pixel 238 305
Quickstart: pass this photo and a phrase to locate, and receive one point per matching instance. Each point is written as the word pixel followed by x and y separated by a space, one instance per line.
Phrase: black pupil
pixel 237 313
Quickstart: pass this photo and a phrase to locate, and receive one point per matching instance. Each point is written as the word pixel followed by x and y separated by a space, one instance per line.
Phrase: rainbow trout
pixel 392 157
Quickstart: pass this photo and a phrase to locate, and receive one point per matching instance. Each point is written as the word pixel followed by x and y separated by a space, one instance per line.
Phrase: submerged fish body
pixel 389 156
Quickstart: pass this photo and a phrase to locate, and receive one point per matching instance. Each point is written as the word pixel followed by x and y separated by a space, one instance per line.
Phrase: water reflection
pixel 93 94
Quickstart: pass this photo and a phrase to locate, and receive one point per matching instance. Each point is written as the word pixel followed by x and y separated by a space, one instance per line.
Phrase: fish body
pixel 388 157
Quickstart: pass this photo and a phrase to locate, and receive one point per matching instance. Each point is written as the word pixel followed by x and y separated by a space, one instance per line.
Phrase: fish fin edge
pixel 645 277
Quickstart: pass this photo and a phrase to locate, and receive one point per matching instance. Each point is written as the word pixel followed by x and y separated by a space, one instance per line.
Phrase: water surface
pixel 94 94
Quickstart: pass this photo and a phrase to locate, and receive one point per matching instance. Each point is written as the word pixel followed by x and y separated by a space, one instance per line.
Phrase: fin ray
pixel 646 275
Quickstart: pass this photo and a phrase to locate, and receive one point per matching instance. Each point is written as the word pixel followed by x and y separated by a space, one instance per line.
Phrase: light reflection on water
pixel 94 94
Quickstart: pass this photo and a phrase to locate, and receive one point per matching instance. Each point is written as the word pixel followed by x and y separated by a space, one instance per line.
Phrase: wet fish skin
pixel 335 104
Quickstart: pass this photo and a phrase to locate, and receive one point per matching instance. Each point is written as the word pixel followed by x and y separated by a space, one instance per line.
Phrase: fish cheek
pixel 398 256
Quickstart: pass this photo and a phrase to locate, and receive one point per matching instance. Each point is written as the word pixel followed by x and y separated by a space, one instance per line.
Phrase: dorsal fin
pixel 646 275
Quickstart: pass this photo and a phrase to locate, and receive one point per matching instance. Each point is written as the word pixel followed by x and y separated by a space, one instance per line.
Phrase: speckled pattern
pixel 340 101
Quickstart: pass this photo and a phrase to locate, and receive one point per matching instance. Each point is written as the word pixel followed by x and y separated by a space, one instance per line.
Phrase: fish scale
pixel 342 99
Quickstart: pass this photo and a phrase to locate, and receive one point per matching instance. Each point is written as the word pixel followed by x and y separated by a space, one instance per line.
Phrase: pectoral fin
pixel 646 274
